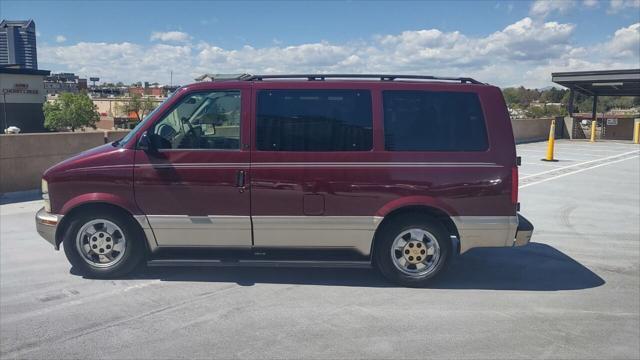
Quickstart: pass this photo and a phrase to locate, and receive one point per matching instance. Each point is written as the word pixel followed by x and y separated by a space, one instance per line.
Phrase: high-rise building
pixel 18 44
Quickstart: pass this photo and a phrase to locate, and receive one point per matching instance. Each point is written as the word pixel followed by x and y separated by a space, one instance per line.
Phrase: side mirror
pixel 145 143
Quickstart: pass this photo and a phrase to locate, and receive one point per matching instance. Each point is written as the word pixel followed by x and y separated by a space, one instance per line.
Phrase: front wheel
pixel 411 250
pixel 103 245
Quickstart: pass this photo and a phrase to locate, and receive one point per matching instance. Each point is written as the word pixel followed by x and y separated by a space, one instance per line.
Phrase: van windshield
pixel 133 132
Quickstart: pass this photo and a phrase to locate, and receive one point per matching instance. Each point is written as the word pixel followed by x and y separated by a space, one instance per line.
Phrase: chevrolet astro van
pixel 392 171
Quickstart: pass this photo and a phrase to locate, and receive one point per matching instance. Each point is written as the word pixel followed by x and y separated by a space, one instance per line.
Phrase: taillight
pixel 514 185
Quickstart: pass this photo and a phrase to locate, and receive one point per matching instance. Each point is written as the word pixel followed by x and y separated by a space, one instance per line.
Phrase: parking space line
pixel 564 157
pixel 561 156
pixel 584 153
pixel 588 150
pixel 542 164
pixel 589 145
pixel 564 152
pixel 582 163
pixel 577 171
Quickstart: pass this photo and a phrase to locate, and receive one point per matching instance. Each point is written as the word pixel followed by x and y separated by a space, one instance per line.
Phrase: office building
pixel 64 82
pixel 21 97
pixel 18 44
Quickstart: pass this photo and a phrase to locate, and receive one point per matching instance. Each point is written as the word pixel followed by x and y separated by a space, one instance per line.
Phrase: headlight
pixel 45 195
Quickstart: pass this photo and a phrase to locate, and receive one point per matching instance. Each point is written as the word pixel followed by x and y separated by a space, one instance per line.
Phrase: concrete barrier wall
pixel 528 130
pixel 24 157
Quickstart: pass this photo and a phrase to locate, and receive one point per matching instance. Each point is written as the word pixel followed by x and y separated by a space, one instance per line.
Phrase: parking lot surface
pixel 572 293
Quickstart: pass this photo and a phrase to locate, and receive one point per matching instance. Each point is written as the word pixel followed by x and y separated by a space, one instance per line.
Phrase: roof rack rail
pixel 223 77
pixel 383 77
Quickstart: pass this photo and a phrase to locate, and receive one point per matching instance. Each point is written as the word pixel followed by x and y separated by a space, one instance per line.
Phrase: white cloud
pixel 590 3
pixel 60 38
pixel 125 61
pixel 615 6
pixel 546 7
pixel 170 36
pixel 523 53
pixel 543 8
pixel 625 43
pixel 524 40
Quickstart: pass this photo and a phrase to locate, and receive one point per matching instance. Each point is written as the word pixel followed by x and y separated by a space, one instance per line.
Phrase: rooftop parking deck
pixel 573 293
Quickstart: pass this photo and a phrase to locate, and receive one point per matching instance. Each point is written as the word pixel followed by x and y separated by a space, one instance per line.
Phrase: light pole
pixel 4 109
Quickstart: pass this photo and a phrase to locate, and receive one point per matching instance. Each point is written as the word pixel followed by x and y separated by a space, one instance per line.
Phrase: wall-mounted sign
pixel 612 122
pixel 20 89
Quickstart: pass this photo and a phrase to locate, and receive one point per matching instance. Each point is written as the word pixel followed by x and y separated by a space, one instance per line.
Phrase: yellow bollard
pixel 593 131
pixel 636 132
pixel 551 143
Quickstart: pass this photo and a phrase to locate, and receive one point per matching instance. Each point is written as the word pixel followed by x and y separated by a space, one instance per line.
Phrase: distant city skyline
pixel 507 43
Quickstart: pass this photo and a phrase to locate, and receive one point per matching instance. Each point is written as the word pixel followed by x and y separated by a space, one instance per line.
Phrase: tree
pixel 520 97
pixel 138 105
pixel 511 96
pixel 70 111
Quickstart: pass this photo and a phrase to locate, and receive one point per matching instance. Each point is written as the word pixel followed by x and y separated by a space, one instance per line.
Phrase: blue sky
pixel 502 42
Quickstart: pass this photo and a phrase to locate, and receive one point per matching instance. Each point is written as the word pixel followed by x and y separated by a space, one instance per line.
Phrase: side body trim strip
pixel 316 231
pixel 148 232
pixel 212 230
pixel 485 231
pixel 354 232
pixel 318 165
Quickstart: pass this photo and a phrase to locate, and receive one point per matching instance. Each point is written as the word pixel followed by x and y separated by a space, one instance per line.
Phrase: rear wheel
pixel 104 244
pixel 412 249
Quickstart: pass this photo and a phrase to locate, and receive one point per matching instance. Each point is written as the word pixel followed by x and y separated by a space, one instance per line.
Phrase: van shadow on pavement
pixel 20 196
pixel 535 267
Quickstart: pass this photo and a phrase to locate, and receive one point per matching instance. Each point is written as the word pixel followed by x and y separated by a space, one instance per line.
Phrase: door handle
pixel 240 179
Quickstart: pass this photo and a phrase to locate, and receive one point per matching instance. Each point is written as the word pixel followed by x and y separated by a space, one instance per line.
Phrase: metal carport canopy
pixel 601 83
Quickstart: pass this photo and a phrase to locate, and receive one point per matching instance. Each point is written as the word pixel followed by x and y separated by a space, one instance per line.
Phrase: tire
pixel 118 235
pixel 426 249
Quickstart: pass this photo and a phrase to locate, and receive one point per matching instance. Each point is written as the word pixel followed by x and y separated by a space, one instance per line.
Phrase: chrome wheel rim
pixel 101 243
pixel 415 252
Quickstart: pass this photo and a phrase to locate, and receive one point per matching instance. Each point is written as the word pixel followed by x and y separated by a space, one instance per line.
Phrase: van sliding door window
pixel 314 120
pixel 433 121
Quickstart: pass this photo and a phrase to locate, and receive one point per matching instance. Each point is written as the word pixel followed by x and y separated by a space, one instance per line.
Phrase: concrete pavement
pixel 573 293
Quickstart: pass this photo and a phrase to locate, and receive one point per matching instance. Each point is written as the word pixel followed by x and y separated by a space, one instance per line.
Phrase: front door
pixel 192 187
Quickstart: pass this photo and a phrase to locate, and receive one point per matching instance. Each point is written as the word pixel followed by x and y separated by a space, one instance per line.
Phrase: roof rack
pixel 223 77
pixel 382 77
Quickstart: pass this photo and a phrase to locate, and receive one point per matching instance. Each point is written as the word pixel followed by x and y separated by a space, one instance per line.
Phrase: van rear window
pixel 314 120
pixel 433 121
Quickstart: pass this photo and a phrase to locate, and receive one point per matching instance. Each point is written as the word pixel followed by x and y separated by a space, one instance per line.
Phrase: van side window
pixel 204 120
pixel 314 120
pixel 433 121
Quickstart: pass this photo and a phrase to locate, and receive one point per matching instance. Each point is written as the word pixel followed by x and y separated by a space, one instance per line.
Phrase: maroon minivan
pixel 395 171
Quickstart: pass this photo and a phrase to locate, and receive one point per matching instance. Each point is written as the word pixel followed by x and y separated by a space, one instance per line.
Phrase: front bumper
pixel 47 224
pixel 524 231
